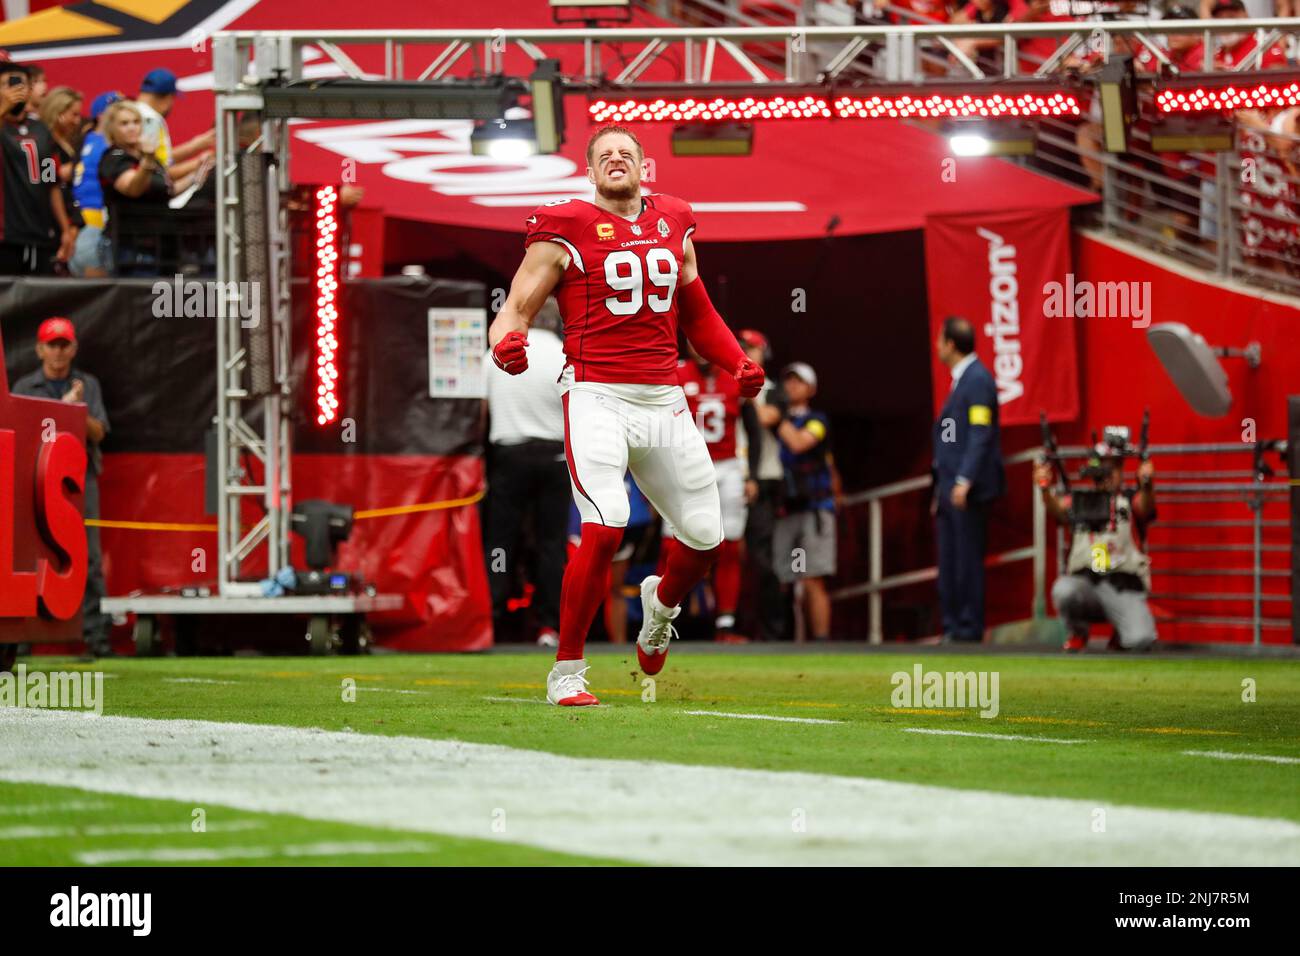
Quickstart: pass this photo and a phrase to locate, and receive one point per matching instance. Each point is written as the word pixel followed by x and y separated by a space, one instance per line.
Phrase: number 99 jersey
pixel 618 295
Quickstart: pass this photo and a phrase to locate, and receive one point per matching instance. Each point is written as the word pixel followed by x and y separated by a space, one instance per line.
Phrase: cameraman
pixel 1107 575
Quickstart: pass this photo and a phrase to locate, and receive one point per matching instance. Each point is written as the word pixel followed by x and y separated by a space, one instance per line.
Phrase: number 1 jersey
pixel 618 295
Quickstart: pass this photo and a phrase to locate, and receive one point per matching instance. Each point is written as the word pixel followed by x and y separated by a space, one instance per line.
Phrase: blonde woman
pixel 131 174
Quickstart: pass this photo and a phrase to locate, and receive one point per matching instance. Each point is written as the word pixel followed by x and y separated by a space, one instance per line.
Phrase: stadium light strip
pixel 327 316
pixel 1202 99
pixel 725 109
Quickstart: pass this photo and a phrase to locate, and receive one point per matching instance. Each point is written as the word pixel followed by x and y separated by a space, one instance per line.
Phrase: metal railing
pixel 1186 534
pixel 878 582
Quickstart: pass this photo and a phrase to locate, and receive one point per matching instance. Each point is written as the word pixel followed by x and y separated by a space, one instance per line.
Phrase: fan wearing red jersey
pixel 714 399
pixel 623 270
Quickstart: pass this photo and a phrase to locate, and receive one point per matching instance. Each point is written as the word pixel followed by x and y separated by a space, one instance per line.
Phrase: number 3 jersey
pixel 618 295
pixel 713 397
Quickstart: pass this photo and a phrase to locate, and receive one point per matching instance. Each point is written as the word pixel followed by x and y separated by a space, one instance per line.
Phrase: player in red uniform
pixel 624 272
pixel 714 399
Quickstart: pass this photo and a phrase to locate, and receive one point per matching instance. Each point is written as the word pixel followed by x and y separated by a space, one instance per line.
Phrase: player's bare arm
pixel 537 277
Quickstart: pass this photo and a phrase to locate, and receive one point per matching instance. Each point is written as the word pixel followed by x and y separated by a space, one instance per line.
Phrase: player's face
pixel 616 167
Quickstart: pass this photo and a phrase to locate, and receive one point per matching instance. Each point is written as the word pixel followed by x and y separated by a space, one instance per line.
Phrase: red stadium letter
pixel 17 590
pixel 61 465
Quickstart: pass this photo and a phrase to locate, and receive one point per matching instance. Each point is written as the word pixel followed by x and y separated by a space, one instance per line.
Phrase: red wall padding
pixel 433 558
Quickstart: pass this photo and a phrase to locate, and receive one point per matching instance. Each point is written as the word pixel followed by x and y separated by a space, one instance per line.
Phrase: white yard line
pixel 1229 755
pixel 167 854
pixel 123 829
pixel 196 680
pixel 784 720
pixel 636 810
pixel 971 733
pixel 40 809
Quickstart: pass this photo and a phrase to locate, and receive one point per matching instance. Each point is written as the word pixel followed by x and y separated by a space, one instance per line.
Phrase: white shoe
pixel 566 685
pixel 656 628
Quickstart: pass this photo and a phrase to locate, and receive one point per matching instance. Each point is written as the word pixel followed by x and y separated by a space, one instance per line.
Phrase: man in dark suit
pixel 968 476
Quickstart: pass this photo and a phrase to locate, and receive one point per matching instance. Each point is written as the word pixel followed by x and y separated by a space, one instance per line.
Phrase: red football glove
pixel 750 375
pixel 509 353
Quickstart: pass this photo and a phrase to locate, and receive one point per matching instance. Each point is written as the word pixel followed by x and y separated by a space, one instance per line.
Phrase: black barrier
pixel 158 368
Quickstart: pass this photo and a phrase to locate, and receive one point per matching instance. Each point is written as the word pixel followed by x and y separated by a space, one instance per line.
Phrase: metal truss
pixel 621 57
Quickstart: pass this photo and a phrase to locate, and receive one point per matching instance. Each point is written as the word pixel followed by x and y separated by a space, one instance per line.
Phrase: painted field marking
pixel 1186 730
pixel 784 720
pixel 1228 755
pixel 32 809
pixel 196 680
pixel 971 733
pixel 123 829
pixel 392 690
pixel 636 810
pixel 215 854
pixel 516 700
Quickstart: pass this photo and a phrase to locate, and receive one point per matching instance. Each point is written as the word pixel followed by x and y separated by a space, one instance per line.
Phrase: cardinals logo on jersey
pixel 663 229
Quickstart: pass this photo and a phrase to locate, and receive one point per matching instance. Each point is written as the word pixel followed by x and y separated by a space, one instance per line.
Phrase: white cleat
pixel 656 628
pixel 566 685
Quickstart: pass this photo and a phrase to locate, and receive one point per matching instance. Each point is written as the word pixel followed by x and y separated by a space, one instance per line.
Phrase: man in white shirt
pixel 527 473
pixel 158 92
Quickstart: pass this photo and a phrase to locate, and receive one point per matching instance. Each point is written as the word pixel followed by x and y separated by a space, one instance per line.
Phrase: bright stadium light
pixel 505 139
pixel 1205 94
pixel 1000 138
pixel 968 144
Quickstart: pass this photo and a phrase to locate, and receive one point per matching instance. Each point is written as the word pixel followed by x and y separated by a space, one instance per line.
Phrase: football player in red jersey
pixel 624 272
pixel 714 399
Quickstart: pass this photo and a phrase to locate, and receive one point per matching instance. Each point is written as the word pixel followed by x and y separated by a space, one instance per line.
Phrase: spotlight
pixel 1001 138
pixel 1117 89
pixel 547 90
pixel 725 139
pixel 504 139
pixel 1203 133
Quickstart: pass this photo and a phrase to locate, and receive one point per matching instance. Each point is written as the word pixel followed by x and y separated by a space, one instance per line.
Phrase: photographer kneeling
pixel 1107 575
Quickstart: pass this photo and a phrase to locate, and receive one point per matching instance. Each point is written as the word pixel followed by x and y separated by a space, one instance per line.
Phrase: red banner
pixel 993 269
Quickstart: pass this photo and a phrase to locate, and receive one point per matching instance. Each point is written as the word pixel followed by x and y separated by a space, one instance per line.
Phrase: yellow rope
pixel 357 515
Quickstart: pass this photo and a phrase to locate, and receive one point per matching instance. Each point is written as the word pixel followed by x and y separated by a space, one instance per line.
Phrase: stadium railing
pixel 1189 547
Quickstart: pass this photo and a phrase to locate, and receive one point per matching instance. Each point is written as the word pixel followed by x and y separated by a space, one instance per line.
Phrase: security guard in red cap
pixel 56 379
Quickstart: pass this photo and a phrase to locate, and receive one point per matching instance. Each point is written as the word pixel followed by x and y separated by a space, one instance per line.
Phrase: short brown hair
pixel 605 130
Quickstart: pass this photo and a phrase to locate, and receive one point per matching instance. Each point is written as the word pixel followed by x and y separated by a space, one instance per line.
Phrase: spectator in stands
pixel 56 379
pixel 527 473
pixel 158 92
pixel 34 228
pixel 803 541
pixel 1256 9
pixel 130 174
pixel 1231 49
pixel 91 255
pixel 38 86
pixel 984 51
pixel 763 491
pixel 61 114
pixel 1034 51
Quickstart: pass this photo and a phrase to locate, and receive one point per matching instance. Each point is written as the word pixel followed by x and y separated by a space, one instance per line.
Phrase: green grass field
pixel 1110 731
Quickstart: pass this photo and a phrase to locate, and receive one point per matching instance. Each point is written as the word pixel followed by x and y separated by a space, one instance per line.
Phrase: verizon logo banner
pixel 992 268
